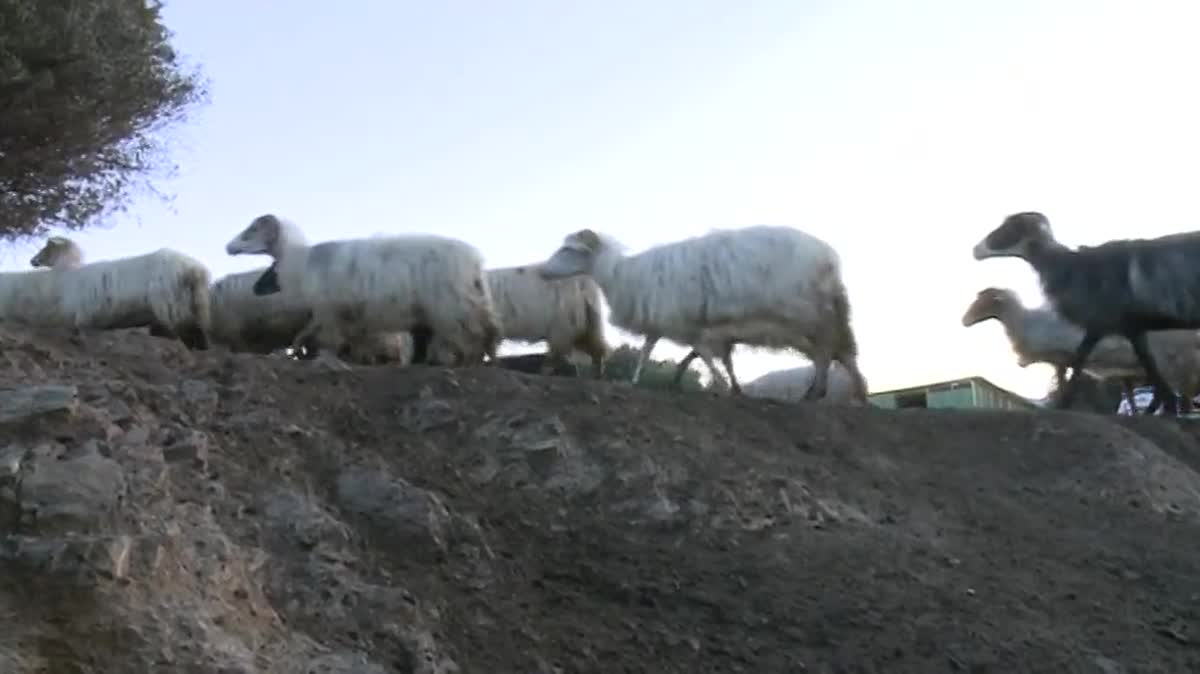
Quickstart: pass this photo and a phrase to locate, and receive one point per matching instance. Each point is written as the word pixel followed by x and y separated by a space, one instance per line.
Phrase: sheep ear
pixel 268 225
pixel 589 238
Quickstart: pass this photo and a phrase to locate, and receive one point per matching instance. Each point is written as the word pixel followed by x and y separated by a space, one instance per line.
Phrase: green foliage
pixel 657 374
pixel 86 89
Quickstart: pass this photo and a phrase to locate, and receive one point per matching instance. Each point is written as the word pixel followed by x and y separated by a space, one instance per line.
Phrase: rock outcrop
pixel 167 511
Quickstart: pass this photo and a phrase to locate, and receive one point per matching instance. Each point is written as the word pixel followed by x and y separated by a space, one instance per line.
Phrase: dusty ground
pixel 220 513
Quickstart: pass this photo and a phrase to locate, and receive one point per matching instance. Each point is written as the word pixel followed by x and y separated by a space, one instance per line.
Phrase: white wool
pixel 244 321
pixel 31 298
pixel 383 347
pixel 162 289
pixel 791 384
pixel 762 286
pixel 564 313
pixel 381 284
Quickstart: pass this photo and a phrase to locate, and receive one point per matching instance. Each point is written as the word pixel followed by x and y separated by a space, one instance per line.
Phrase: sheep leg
pixel 553 359
pixel 307 350
pixel 1155 402
pixel 727 361
pixel 1141 348
pixel 1127 390
pixel 647 347
pixel 327 357
pixel 194 337
pixel 820 381
pixel 677 382
pixel 421 336
pixel 307 334
pixel 1060 377
pixel 597 363
pixel 1071 387
pixel 707 356
pixel 159 330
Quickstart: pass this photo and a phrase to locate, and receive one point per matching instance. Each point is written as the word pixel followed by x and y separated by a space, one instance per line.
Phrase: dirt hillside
pixel 225 513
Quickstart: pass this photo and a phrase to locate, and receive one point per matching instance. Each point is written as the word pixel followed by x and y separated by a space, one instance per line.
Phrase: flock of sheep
pixel 1132 307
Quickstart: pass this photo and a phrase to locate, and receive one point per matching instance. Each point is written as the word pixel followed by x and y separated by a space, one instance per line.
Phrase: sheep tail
pixel 491 336
pixel 489 320
pixel 846 349
pixel 194 333
pixel 595 347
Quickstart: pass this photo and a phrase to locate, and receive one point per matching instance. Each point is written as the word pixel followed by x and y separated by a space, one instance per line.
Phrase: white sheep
pixel 762 286
pixel 1042 335
pixel 243 321
pixel 564 313
pixel 790 384
pixel 165 290
pixel 30 298
pixel 357 287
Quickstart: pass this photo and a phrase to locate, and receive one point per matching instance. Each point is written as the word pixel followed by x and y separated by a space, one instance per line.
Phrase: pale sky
pixel 900 132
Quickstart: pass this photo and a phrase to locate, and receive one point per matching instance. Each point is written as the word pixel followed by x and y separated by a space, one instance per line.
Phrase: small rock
pixel 189 446
pixel 82 559
pixel 410 518
pixel 72 495
pixel 136 435
pixel 343 663
pixel 426 414
pixel 31 401
pixel 201 396
pixel 118 411
pixel 11 460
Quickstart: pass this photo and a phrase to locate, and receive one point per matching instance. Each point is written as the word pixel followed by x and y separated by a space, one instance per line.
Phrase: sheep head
pixel 59 251
pixel 1017 236
pixel 576 255
pixel 265 235
pixel 989 303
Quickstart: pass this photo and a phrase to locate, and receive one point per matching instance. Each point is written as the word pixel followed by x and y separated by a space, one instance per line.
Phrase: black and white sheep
pixel 762 285
pixel 382 284
pixel 165 290
pixel 1126 287
pixel 1041 335
pixel 565 313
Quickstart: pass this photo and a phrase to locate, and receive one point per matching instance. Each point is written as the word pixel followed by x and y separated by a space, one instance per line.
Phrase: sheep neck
pixel 290 250
pixel 1053 263
pixel 606 269
pixel 70 259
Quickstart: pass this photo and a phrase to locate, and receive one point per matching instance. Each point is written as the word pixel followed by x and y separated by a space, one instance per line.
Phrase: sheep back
pixel 775 283
pixel 564 313
pixel 396 283
pixel 165 288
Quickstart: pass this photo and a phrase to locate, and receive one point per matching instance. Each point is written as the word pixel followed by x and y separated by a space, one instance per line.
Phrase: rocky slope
pixel 180 512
